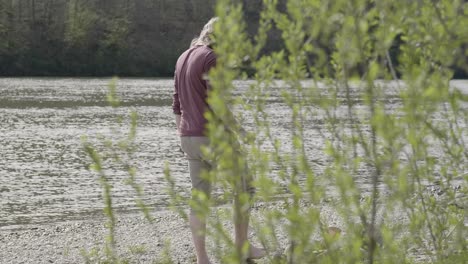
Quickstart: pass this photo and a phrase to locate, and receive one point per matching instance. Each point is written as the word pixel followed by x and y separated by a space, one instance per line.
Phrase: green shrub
pixel 388 139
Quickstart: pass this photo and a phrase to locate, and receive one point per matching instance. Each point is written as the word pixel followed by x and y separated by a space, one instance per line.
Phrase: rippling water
pixel 43 174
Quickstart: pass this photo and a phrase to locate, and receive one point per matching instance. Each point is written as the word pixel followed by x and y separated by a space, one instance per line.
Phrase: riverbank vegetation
pixel 396 176
pixel 413 207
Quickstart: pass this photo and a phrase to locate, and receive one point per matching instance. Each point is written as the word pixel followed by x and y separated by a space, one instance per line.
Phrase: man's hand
pixel 177 120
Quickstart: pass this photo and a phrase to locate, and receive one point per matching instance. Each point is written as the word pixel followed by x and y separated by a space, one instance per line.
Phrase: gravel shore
pixel 138 240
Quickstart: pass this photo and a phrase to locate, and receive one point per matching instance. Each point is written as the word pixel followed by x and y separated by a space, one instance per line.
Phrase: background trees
pixel 97 37
pixel 123 37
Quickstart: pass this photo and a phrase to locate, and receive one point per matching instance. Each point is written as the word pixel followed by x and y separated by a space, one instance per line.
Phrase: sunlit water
pixel 43 168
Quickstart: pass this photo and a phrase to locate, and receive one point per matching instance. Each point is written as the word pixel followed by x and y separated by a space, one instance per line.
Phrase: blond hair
pixel 204 39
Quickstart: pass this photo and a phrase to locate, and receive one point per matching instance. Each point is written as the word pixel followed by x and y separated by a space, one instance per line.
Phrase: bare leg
pixel 191 147
pixel 198 228
pixel 241 228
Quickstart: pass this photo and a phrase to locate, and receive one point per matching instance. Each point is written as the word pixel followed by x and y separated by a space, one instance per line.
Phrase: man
pixel 189 106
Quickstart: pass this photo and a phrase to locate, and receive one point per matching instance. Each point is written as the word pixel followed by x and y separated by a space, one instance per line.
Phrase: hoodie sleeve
pixel 175 97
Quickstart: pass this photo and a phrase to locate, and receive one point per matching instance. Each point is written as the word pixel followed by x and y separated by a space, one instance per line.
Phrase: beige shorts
pixel 191 146
pixel 197 164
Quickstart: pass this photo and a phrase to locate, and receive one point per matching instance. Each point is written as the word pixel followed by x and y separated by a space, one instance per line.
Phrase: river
pixel 43 168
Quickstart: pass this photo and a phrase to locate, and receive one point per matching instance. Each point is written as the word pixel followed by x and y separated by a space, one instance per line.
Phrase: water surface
pixel 43 168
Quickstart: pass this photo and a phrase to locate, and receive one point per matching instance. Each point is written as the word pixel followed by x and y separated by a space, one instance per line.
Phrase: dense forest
pixel 110 37
pixel 97 37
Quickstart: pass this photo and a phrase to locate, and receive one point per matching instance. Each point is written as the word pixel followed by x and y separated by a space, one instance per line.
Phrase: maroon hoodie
pixel 191 89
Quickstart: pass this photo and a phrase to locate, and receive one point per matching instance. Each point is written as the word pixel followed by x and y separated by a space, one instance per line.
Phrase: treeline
pixel 115 37
pixel 97 37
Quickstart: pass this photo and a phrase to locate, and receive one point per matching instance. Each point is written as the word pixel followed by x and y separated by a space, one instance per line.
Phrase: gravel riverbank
pixel 138 240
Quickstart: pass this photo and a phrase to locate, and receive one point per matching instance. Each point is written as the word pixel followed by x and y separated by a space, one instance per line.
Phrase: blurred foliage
pixel 110 156
pixel 372 80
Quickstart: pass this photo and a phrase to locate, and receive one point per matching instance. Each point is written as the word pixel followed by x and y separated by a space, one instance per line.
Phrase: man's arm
pixel 177 120
pixel 176 103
